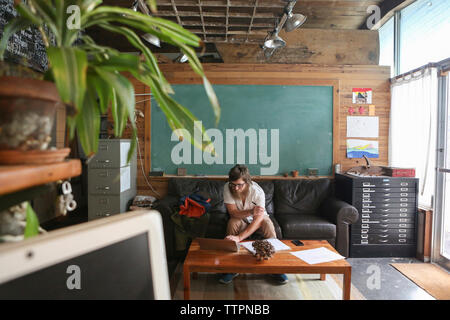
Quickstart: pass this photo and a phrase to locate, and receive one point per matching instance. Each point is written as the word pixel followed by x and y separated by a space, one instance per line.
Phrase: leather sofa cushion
pixel 300 196
pixel 214 189
pixel 181 187
pixel 302 226
pixel 268 188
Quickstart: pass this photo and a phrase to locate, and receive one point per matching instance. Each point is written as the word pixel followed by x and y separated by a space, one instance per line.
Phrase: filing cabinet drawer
pixel 385 220
pixel 384 195
pixel 379 216
pixel 103 206
pixel 386 190
pixel 412 210
pixel 384 200
pixel 384 182
pixel 359 230
pixel 379 205
pixel 384 241
pixel 112 153
pixel 384 225
pixel 109 181
pixel 376 237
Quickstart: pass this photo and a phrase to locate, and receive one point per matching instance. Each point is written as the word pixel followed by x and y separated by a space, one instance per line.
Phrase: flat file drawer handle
pixel 364 236
pixel 384 230
pixel 403 189
pixel 366 211
pixel 385 210
pixel 403 199
pixel 387 194
pixel 403 204
pixel 403 220
pixel 403 194
pixel 368 190
pixel 404 184
pixel 384 235
pixel 387 189
pixel 402 225
pixel 103 188
pixel 103 161
pixel 364 231
pixel 365 220
pixel 366 195
pixel 385 215
pixel 403 214
pixel 364 226
pixel 366 215
pixel 384 225
pixel 385 220
pixel 402 230
pixel 402 235
pixel 403 210
pixel 383 241
pixel 401 240
pixel 364 242
pixel 367 184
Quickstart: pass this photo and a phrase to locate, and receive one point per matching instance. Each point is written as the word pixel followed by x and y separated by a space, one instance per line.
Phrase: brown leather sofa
pixel 303 209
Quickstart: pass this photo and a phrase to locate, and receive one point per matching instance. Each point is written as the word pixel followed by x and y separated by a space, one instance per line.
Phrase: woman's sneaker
pixel 280 278
pixel 228 277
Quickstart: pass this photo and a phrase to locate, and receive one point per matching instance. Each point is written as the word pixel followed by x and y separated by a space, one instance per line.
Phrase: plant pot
pixel 27 113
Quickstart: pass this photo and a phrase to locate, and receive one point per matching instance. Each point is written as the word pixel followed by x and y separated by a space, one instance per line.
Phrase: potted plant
pixel 87 77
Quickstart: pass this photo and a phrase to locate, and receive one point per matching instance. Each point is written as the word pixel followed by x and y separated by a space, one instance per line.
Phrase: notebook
pixel 218 244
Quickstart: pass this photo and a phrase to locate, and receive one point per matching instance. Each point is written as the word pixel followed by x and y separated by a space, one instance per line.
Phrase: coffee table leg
pixel 347 284
pixel 187 282
pixel 323 277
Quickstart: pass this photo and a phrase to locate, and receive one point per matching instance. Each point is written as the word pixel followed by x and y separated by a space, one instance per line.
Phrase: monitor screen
pixel 118 268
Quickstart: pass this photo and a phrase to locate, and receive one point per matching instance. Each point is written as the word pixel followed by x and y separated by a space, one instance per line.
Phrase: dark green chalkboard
pixel 303 116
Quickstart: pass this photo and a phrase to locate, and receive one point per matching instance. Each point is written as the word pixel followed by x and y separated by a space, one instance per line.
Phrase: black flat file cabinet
pixel 388 209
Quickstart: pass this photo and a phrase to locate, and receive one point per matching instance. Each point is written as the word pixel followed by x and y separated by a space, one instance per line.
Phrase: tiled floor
pixel 393 285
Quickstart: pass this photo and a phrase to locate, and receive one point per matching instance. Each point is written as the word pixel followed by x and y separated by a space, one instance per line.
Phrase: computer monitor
pixel 119 257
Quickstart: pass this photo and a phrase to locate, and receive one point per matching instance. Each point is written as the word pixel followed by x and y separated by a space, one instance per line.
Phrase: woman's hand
pixel 233 238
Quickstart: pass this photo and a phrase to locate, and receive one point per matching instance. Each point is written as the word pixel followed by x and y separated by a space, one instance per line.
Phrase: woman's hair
pixel 239 171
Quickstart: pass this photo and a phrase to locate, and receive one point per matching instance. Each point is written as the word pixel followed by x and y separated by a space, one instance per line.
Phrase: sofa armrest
pixel 343 215
pixel 165 207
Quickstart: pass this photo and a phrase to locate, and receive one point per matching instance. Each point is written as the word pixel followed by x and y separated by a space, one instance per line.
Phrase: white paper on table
pixel 318 255
pixel 362 127
pixel 277 244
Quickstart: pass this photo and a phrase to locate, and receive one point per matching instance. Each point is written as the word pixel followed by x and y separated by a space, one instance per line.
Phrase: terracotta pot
pixel 295 173
pixel 27 112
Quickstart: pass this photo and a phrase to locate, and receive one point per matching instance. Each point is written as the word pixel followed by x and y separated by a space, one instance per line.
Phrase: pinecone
pixel 264 249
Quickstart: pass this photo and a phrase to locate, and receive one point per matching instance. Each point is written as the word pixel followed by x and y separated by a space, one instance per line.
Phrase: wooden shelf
pixel 16 178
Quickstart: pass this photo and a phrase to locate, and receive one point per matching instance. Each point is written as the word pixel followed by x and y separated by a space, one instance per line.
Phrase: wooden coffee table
pixel 215 261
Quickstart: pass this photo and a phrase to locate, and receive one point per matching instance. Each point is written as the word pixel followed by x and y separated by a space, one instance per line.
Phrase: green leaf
pixel 125 97
pixel 15 25
pixel 152 5
pixel 69 68
pixel 32 223
pixel 88 124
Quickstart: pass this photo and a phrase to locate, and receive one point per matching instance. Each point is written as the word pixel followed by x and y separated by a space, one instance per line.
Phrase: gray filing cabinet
pixel 111 181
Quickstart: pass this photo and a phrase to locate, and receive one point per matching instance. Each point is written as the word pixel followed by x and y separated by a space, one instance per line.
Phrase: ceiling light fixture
pixel 294 21
pixel 290 22
pixel 154 40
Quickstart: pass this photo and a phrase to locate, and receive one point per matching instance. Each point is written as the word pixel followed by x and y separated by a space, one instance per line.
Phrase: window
pixel 387 44
pixel 424 31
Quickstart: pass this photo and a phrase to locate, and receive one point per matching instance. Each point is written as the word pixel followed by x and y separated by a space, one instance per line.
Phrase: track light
pixel 294 21
pixel 182 58
pixel 274 41
pixel 154 40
